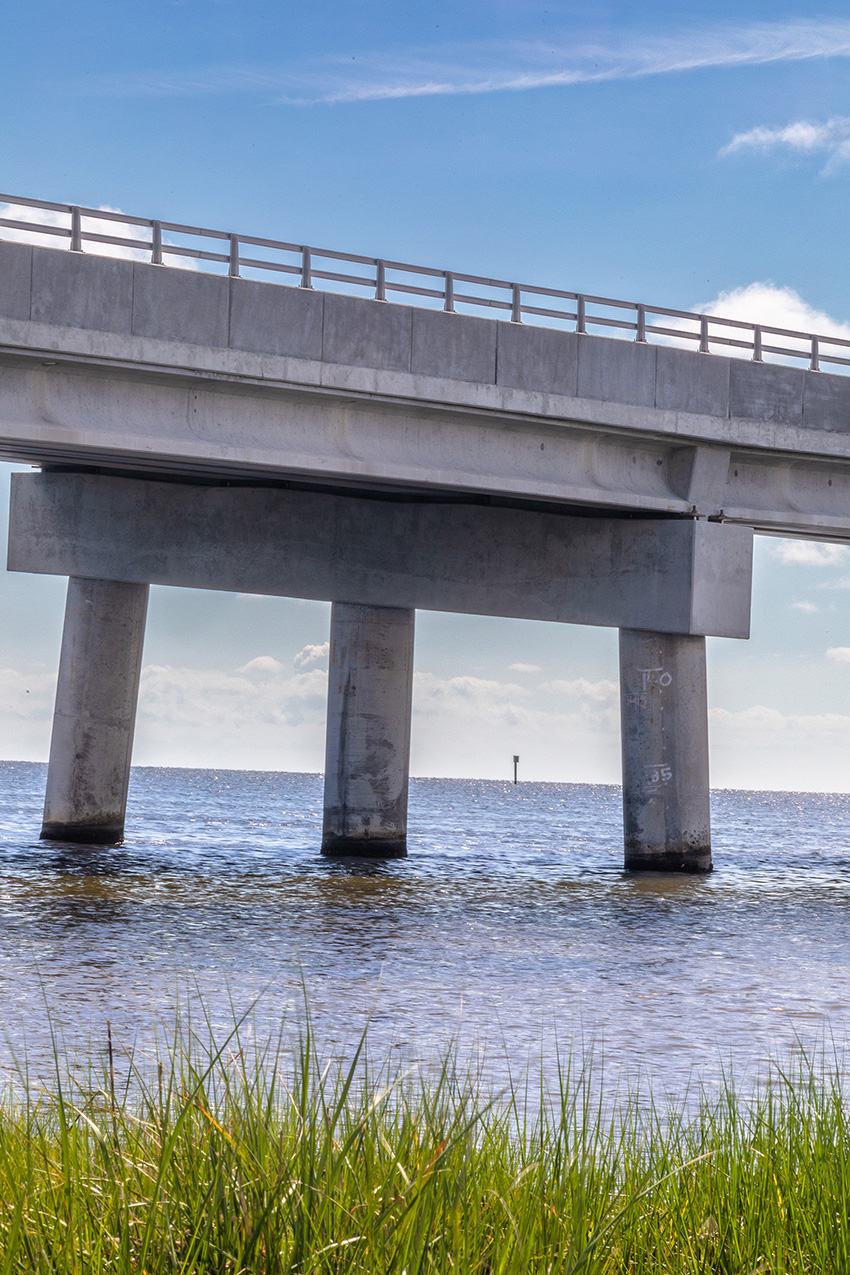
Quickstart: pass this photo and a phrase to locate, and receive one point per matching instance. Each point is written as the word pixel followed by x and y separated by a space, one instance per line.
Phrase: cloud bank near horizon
pixel 269 715
pixel 491 67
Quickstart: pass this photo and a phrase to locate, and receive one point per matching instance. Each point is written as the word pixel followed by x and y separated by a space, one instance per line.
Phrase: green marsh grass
pixel 225 1159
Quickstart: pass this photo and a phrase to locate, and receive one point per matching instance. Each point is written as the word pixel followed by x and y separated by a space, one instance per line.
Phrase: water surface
pixel 512 921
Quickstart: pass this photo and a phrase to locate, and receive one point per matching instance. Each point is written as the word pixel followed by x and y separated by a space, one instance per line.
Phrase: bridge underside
pixel 127 414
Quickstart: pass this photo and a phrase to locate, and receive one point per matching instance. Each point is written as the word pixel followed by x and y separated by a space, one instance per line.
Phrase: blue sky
pixel 224 113
pixel 676 153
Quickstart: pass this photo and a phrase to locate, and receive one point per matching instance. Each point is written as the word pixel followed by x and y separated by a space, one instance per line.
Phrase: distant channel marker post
pixel 516 763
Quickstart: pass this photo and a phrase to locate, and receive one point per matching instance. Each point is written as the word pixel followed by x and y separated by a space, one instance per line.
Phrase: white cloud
pixel 771 306
pixel 525 668
pixel 311 654
pixel 809 553
pixel 775 307
pixel 536 709
pixel 38 218
pixel 262 667
pixel 489 67
pixel 260 715
pixel 26 712
pixel 483 697
pixel 579 687
pixel 831 138
pixel 761 747
pixel 759 720
pixel 808 607
pixel 27 695
pixel 840 654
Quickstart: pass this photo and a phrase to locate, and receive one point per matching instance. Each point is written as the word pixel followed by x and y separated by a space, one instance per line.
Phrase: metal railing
pixel 163 241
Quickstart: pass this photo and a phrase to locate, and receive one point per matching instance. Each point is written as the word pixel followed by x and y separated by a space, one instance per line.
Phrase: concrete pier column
pixel 367 758
pixel 95 712
pixel 664 727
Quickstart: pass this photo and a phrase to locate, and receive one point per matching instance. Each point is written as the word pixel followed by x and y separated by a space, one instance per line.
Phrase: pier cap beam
pixel 664 575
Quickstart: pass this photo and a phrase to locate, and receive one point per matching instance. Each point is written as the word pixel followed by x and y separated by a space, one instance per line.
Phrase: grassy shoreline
pixel 219 1159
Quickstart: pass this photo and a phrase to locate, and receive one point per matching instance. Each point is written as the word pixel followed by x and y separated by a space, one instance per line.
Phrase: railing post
pixel 76 231
pixel 156 244
pixel 516 303
pixel 703 335
pixel 449 305
pixel 814 365
pixel 581 325
pixel 306 277
pixel 757 355
pixel 640 334
pixel 380 281
pixel 234 256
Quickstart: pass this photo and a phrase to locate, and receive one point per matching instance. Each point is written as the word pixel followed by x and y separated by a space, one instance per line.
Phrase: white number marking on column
pixel 655 677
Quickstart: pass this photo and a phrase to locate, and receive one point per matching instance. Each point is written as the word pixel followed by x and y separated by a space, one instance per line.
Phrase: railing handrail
pixel 233 257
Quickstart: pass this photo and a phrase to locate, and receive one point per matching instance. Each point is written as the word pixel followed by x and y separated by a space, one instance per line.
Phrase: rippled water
pixel 512 921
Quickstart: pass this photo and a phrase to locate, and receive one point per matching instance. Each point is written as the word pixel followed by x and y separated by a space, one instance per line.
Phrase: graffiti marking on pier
pixel 655 677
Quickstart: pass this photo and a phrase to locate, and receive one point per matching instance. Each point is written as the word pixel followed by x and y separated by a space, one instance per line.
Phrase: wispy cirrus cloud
pixel 492 67
pixel 802 137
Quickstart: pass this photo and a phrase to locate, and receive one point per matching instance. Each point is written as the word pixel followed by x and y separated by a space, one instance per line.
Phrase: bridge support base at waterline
pixel 93 722
pixel 666 821
pixel 367 760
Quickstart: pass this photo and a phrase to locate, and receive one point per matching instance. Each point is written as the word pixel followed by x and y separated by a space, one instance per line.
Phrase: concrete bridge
pixel 216 431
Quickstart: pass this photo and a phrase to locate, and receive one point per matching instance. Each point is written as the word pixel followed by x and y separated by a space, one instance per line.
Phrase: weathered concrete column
pixel 368 741
pixel 95 712
pixel 665 752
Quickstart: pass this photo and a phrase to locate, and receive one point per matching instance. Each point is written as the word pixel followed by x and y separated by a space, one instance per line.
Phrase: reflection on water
pixel 511 921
